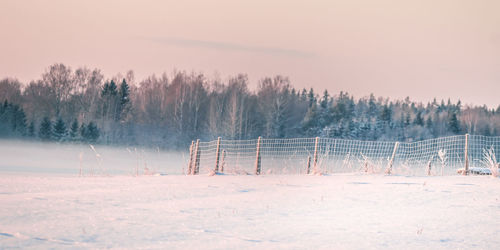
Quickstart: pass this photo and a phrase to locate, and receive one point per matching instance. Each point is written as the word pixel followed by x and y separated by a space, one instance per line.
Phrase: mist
pixel 39 158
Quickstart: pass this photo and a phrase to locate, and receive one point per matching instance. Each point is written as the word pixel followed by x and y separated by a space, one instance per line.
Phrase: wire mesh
pixel 443 155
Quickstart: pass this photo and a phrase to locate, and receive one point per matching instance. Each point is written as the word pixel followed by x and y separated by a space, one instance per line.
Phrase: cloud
pixel 231 46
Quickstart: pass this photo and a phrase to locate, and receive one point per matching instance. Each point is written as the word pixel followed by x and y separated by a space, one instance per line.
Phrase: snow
pixel 475 170
pixel 44 203
pixel 274 211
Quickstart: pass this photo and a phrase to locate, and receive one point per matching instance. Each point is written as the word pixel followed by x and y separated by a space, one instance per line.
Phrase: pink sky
pixel 392 48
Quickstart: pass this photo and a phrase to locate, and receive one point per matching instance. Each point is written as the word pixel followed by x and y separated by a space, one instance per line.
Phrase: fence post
pixel 308 165
pixel 257 159
pixel 196 168
pixel 190 164
pixel 315 160
pixel 217 155
pixel 429 166
pixel 223 161
pixel 389 167
pixel 466 158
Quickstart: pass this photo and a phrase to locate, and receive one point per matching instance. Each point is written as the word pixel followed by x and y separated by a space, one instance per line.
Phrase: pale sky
pixel 392 48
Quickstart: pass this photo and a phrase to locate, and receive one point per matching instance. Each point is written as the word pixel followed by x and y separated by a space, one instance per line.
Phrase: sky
pixel 391 48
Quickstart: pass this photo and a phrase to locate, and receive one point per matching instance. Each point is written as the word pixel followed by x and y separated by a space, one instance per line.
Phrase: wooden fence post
pixel 315 160
pixel 196 167
pixel 190 164
pixel 217 156
pixel 308 165
pixel 257 159
pixel 389 167
pixel 223 161
pixel 429 166
pixel 466 158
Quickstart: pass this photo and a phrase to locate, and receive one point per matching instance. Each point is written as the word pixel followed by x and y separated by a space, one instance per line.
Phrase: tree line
pixel 171 110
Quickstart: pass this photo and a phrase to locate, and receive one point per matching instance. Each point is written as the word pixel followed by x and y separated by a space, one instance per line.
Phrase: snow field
pixel 249 212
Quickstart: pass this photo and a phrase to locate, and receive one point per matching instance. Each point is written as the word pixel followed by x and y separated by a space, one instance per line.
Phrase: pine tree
pixel 59 130
pixel 45 132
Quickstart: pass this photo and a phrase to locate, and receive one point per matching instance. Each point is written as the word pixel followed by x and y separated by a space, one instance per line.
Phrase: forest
pixel 171 110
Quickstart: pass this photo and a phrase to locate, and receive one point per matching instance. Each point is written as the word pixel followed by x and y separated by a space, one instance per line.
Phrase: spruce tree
pixel 59 130
pixel 311 97
pixel 45 132
pixel 386 114
pixel 20 121
pixel 73 130
pixel 92 133
pixel 325 112
pixel 407 119
pixel 325 100
pixel 124 104
pixel 31 129
pixel 418 119
pixel 4 120
pixel 310 124
pixel 12 120
pixel 110 108
pixel 428 122
pixel 372 106
pixel 83 132
pixel 453 123
pixel 303 96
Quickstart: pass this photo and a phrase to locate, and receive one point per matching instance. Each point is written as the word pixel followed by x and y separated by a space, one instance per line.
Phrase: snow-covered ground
pixel 44 203
pixel 260 212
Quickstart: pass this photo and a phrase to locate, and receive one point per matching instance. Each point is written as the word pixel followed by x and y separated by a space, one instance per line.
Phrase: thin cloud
pixel 231 46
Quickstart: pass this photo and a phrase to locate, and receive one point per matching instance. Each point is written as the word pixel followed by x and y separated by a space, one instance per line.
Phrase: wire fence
pixel 439 156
